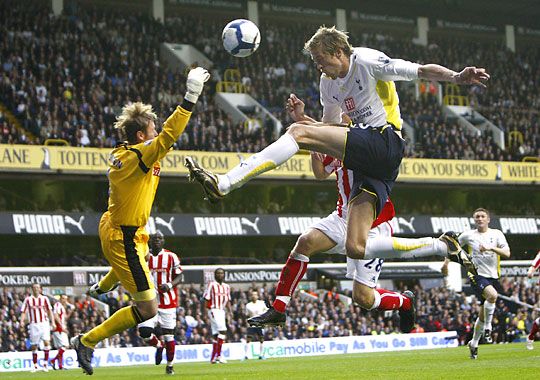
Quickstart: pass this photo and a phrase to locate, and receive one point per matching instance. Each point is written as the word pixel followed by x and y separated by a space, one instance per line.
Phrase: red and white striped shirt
pixel 218 295
pixel 164 267
pixel 344 182
pixel 60 310
pixel 37 308
pixel 536 262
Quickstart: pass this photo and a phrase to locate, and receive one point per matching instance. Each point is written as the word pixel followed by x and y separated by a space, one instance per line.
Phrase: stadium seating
pixel 68 79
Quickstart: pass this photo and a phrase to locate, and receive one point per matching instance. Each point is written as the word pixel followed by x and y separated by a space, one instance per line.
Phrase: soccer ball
pixel 241 37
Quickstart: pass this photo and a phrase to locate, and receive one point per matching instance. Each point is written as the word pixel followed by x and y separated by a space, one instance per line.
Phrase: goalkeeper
pixel 134 171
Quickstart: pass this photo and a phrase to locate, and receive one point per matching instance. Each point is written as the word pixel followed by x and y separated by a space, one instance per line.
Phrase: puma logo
pixel 165 224
pixel 69 220
pixel 407 223
pixel 247 222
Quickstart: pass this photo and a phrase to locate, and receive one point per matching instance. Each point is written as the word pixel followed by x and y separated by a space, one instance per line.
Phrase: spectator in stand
pixel 57 94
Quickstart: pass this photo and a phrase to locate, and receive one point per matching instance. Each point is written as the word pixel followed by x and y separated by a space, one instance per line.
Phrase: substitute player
pixel 134 171
pixel 536 324
pixel 360 83
pixel 40 316
pixel 217 296
pixel 487 246
pixel 165 270
pixel 62 311
pixel 254 308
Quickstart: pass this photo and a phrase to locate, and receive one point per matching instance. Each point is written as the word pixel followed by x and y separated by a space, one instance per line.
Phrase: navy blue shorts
pixel 255 332
pixel 374 156
pixel 479 283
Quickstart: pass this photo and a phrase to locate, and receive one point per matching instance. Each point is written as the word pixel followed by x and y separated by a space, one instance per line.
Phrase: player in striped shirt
pixel 329 235
pixel 535 265
pixel 40 316
pixel 62 310
pixel 217 295
pixel 165 270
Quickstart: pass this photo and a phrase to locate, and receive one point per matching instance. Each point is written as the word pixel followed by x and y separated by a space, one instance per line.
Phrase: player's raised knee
pixel 305 244
pixel 147 309
pixel 355 250
pixel 299 132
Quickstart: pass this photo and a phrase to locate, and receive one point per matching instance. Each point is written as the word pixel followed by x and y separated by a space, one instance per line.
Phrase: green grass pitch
pixel 508 361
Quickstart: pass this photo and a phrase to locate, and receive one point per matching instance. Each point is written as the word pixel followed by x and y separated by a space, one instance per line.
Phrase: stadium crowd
pixel 326 316
pixel 67 77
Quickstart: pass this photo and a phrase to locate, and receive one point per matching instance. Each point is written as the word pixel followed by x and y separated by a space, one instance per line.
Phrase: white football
pixel 241 37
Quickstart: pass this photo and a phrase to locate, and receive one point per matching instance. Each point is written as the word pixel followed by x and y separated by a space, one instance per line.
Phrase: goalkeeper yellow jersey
pixel 134 172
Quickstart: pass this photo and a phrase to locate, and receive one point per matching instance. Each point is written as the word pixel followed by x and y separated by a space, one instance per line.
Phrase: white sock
pixel 261 351
pixel 299 257
pixel 489 309
pixel 478 332
pixel 284 299
pixel 246 349
pixel 267 159
pixel 390 247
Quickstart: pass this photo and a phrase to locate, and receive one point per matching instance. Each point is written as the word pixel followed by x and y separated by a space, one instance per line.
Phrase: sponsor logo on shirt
pixel 349 104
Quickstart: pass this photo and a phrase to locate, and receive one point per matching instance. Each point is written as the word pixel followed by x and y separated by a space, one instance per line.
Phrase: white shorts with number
pixel 364 271
pixel 60 339
pixel 39 332
pixel 217 320
pixel 166 318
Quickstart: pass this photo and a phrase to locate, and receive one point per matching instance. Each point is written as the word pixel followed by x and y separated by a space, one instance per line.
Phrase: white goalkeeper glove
pixel 195 83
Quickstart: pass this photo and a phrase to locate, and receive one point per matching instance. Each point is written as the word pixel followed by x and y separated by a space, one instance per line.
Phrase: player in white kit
pixel 486 246
pixel 62 311
pixel 165 271
pixel 535 265
pixel 253 308
pixel 360 83
pixel 217 295
pixel 39 312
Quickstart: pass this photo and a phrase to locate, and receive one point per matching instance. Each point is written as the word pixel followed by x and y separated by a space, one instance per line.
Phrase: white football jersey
pixel 367 94
pixel 487 262
pixel 255 308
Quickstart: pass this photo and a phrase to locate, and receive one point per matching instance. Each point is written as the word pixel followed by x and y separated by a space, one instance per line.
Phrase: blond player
pixel 134 171
pixel 360 83
pixel 40 316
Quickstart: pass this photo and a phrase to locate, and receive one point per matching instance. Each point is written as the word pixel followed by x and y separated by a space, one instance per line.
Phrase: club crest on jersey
pixel 156 171
pixel 349 104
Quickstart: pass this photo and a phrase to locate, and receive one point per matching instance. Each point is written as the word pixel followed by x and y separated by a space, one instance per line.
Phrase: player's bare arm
pixel 317 166
pixel 295 108
pixel 164 288
pixel 23 319
pixel 469 75
pixel 56 318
